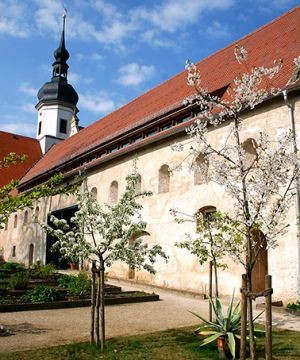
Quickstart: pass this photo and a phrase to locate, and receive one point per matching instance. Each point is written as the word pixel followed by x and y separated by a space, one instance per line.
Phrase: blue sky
pixel 118 49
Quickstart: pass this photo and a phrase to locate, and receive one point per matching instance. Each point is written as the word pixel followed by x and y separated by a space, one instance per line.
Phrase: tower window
pixel 63 126
pixel 40 128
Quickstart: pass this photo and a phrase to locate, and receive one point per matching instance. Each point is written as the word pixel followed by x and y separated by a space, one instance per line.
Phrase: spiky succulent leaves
pixel 231 344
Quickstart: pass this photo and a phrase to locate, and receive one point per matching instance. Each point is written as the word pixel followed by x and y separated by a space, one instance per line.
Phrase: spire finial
pixel 60 66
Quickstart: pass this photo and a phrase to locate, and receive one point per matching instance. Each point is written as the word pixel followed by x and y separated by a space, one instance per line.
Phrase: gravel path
pixel 38 329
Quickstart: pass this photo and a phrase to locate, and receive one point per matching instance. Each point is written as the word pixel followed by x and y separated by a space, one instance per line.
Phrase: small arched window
pixel 164 179
pixel 15 221
pixel 94 192
pixel 113 192
pixel 138 184
pixel 36 214
pixel 205 212
pixel 25 217
pixel 201 170
pixel 250 146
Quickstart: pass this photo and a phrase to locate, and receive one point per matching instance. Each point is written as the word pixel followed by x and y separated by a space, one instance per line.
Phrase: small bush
pixel 64 281
pixel 42 271
pixel 294 306
pixel 80 285
pixel 19 280
pixel 12 266
pixel 41 293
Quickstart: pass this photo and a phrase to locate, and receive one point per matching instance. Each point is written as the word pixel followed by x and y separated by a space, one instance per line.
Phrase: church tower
pixel 57 111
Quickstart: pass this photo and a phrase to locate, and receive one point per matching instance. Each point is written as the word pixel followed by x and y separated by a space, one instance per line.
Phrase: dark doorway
pixel 54 257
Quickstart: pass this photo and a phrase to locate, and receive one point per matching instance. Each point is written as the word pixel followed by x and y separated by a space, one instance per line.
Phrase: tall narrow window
pixel 36 214
pixel 30 255
pixel 15 221
pixel 164 179
pixel 63 126
pixel 113 192
pixel 6 224
pixel 94 192
pixel 14 251
pixel 201 170
pixel 25 217
pixel 138 184
pixel 40 128
pixel 250 147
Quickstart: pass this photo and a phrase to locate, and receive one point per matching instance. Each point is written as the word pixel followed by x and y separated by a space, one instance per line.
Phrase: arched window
pixel 25 217
pixel 164 179
pixel 36 214
pixel 13 251
pixel 201 169
pixel 250 147
pixel 138 184
pixel 15 220
pixel 94 192
pixel 205 212
pixel 113 192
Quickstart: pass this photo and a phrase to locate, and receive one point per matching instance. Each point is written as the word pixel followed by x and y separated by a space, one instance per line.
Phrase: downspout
pixel 291 109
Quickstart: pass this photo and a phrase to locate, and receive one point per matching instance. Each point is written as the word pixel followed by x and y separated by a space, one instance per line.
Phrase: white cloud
pixel 73 77
pixel 21 128
pixel 218 30
pixel 134 74
pixel 29 107
pixel 27 89
pixel 154 38
pixel 93 57
pixel 176 14
pixel 13 19
pixel 99 103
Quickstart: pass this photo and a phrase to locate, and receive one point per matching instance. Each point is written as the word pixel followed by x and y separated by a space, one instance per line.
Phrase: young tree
pixel 9 202
pixel 261 188
pixel 103 235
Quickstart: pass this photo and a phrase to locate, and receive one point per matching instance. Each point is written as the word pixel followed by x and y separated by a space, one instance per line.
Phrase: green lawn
pixel 174 344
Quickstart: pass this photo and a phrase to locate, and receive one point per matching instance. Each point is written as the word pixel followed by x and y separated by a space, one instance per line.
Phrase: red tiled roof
pixel 277 40
pixel 20 145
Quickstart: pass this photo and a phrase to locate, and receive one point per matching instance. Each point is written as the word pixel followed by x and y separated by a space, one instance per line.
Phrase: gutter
pixel 291 111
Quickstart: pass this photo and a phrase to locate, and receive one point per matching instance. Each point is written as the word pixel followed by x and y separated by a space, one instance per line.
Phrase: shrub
pixel 64 281
pixel 41 293
pixel 43 271
pixel 294 306
pixel 12 266
pixel 79 285
pixel 19 280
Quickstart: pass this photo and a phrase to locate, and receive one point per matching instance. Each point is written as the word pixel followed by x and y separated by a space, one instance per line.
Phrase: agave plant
pixel 227 326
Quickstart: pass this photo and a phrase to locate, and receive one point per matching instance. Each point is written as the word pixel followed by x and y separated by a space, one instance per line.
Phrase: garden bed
pixel 125 297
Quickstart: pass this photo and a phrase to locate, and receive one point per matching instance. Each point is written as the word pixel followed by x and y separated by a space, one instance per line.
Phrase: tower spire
pixel 61 54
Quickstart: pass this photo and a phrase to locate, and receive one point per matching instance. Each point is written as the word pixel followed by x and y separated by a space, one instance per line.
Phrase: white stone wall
pixel 183 270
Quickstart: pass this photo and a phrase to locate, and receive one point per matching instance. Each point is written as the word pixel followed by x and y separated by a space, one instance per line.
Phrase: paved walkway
pixel 37 329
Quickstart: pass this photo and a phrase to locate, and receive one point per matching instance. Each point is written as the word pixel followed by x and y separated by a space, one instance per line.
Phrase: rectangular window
pixel 14 251
pixel 63 126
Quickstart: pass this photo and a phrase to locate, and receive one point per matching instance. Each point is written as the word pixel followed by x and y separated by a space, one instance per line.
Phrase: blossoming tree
pixel 262 187
pixel 103 235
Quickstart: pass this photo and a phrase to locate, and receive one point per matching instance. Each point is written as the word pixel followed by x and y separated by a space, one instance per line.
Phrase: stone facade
pixel 179 191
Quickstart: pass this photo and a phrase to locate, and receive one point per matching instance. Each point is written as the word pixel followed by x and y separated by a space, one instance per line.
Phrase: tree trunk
pixel 93 298
pixel 97 308
pixel 101 304
pixel 243 318
pixel 210 289
pixel 216 278
pixel 250 319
